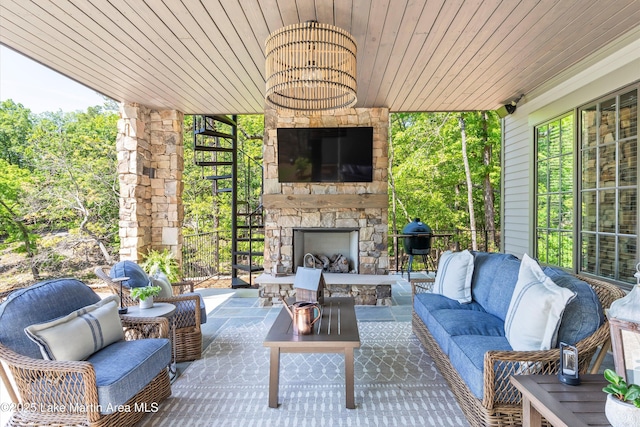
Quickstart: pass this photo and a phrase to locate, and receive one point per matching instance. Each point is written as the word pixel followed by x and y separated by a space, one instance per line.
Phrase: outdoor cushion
pixel 426 303
pixel 466 353
pixel 536 309
pixel 436 302
pixel 453 277
pixel 125 367
pixel 40 303
pixel 583 315
pixel 494 278
pixel 160 279
pixel 135 273
pixel 92 328
pixel 444 324
pixel 475 323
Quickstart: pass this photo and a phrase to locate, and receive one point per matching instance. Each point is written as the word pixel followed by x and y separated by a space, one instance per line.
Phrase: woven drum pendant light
pixel 311 67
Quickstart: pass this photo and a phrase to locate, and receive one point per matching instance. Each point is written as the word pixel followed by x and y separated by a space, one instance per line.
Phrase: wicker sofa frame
pixel 65 393
pixel 187 319
pixel 501 404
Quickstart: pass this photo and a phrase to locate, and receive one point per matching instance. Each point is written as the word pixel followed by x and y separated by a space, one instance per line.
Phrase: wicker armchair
pixel 66 393
pixel 187 317
pixel 501 404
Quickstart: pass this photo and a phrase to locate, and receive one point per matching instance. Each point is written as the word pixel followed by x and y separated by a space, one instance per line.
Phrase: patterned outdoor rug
pixel 396 384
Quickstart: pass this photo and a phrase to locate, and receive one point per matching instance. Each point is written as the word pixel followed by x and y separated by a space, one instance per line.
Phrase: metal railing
pixel 203 255
pixel 208 255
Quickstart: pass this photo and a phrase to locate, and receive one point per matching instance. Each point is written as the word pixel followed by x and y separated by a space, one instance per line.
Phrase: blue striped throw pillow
pixel 535 310
pixel 453 278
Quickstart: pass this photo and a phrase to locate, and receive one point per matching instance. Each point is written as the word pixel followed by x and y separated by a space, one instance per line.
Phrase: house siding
pixel 606 71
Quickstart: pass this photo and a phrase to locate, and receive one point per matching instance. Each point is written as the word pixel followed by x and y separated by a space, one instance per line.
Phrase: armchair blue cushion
pixel 125 367
pixel 138 277
pixel 135 273
pixel 40 303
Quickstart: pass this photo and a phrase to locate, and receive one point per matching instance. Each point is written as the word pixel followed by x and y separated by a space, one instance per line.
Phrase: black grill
pixel 419 244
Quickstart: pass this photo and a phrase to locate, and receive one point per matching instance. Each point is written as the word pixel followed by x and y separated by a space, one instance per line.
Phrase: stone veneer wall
pixel 332 203
pixel 150 166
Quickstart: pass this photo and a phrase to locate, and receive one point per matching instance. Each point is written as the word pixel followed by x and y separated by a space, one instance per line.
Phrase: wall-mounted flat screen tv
pixel 325 154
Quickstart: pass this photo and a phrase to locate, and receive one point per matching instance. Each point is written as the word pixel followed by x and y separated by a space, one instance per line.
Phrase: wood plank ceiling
pixel 207 56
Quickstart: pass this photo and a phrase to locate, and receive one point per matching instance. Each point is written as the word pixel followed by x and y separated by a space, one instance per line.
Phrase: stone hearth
pixel 366 289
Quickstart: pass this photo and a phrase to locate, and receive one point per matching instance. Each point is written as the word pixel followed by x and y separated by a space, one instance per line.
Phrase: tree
pixel 488 191
pixel 74 155
pixel 14 182
pixel 467 173
pixel 15 127
pixel 426 172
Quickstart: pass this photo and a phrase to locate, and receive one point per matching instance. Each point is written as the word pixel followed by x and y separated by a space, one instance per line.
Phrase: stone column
pixel 150 166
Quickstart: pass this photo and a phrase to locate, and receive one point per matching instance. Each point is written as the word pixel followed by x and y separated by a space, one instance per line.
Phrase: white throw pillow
pixel 536 308
pixel 79 334
pixel 160 279
pixel 453 278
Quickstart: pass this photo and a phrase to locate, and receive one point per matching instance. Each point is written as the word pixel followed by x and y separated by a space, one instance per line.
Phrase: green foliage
pixel 620 389
pixel 144 292
pixel 74 158
pixel 15 184
pixel 426 169
pixel 59 172
pixel 15 127
pixel 162 261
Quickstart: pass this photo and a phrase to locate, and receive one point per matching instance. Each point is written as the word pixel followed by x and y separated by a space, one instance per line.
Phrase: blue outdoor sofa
pixel 471 334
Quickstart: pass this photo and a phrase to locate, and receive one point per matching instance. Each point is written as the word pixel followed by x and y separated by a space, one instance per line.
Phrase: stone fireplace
pixel 355 211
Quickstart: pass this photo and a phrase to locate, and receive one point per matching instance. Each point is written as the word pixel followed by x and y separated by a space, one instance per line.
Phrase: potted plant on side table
pixel 145 295
pixel 623 402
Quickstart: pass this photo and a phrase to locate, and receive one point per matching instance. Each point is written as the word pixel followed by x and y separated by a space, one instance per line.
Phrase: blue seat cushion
pixel 40 303
pixel 126 367
pixel 584 314
pixel 470 322
pixel 135 273
pixel 203 307
pixel 494 279
pixel 432 302
pixel 185 310
pixel 426 303
pixel 466 354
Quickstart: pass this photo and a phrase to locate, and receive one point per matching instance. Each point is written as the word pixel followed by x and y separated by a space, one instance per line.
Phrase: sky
pixel 39 88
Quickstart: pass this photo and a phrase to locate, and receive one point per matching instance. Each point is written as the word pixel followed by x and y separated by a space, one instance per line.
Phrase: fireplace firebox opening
pixel 327 242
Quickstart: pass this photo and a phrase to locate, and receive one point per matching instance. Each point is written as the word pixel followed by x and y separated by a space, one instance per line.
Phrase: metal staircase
pixel 217 151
